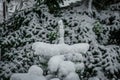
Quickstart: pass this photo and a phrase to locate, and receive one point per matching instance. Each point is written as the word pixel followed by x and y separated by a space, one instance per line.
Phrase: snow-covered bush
pixel 54 62
pixel 72 76
pixel 55 79
pixel 74 57
pixel 62 59
pixel 102 59
pixel 34 73
pixel 65 68
pixel 80 67
pixel 32 25
pixel 62 65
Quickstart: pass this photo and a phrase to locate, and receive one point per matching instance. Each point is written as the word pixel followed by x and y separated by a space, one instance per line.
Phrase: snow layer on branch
pixel 25 76
pixel 77 59
pixel 55 79
pixel 65 68
pixel 61 32
pixel 49 50
pixel 54 63
pixel 79 66
pixel 72 76
pixel 80 47
pixel 63 48
pixel 74 57
pixel 94 78
pixel 45 50
pixel 68 2
pixel 35 70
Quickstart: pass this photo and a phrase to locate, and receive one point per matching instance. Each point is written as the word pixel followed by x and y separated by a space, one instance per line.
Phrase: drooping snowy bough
pixel 63 60
pixel 49 50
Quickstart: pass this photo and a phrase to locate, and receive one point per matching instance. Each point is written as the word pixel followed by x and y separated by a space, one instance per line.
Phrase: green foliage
pixel 98 28
pixel 52 36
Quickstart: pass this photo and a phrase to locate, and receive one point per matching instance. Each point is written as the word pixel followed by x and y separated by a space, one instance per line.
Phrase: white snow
pixel 94 78
pixel 61 32
pixel 90 6
pixel 65 68
pixel 68 2
pixel 54 63
pixel 80 48
pixel 49 76
pixel 72 76
pixel 45 49
pixel 64 63
pixel 34 73
pixel 35 70
pixel 74 57
pixel 55 79
pixel 26 76
pixel 64 48
pixel 49 50
pixel 79 66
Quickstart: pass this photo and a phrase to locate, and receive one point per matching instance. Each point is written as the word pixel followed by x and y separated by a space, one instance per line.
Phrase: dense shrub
pixel 36 24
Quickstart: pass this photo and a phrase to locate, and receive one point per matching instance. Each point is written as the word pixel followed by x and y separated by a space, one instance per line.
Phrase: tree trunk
pixel 5 10
pixel 0 53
